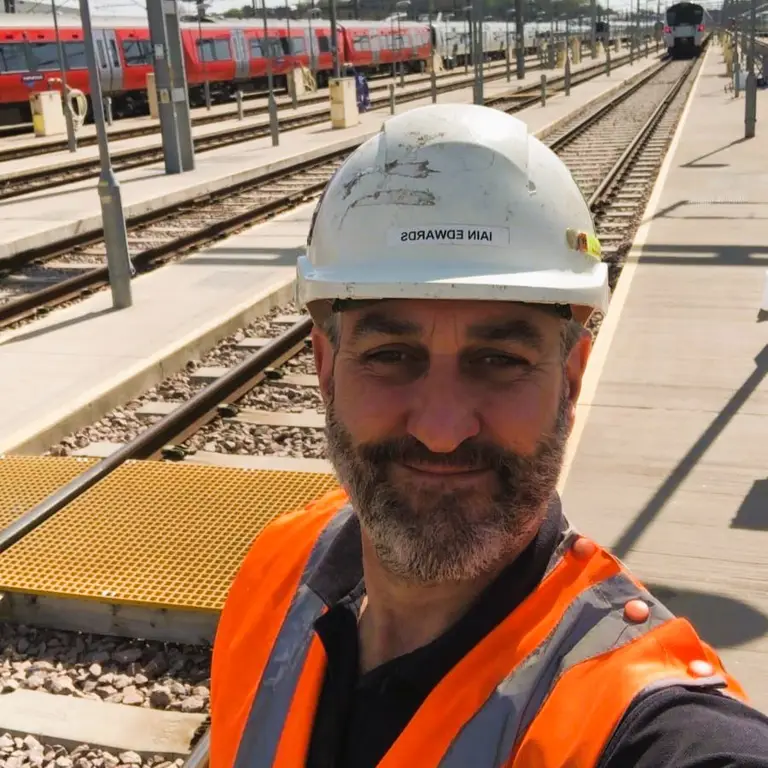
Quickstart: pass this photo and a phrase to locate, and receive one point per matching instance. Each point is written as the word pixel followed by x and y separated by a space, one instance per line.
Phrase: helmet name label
pixel 450 234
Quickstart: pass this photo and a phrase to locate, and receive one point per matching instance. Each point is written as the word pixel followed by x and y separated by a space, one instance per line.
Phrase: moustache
pixel 471 454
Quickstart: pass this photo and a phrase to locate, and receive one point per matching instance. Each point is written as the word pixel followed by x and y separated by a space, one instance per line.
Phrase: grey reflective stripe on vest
pixel 592 625
pixel 272 701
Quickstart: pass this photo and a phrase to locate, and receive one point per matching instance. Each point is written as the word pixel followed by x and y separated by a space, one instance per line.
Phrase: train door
pixel 240 51
pixel 108 60
pixel 375 48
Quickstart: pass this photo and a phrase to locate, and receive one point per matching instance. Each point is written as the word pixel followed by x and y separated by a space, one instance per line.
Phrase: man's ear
pixel 575 367
pixel 323 352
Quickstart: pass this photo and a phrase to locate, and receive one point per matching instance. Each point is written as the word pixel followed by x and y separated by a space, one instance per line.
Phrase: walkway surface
pixel 671 443
pixel 42 217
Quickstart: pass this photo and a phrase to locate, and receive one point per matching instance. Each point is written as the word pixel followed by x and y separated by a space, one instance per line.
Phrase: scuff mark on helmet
pixel 412 170
pixel 393 197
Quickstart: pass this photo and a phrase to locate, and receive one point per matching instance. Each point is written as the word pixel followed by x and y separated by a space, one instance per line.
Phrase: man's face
pixel 446 423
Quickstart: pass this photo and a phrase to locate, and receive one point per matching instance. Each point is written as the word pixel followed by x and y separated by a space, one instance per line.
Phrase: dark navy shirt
pixel 360 717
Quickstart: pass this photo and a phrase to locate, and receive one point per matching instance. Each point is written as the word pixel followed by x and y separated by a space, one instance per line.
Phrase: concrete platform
pixel 79 362
pixel 670 452
pixel 45 217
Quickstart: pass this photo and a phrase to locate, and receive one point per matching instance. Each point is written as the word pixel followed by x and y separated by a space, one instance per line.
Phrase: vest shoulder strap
pixel 258 601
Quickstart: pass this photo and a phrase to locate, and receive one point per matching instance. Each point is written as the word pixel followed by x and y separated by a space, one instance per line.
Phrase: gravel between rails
pixel 116 670
pixel 123 424
pixel 28 752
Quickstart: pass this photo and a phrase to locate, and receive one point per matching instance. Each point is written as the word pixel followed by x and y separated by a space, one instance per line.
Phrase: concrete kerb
pixel 610 322
pixel 95 403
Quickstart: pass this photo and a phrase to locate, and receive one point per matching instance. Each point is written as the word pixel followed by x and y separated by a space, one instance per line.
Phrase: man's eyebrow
pixel 508 330
pixel 377 323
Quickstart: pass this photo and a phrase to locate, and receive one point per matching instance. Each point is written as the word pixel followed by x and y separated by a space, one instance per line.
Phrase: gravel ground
pixel 16 752
pixel 134 672
pixel 122 424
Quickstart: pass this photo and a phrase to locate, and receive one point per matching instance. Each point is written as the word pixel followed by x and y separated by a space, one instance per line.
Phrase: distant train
pixel 228 56
pixel 685 30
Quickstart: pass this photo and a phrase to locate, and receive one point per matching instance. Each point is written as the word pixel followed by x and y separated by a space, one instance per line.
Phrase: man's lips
pixel 444 470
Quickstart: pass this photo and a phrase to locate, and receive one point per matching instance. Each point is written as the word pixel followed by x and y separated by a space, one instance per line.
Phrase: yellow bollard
pixel 560 55
pixel 576 51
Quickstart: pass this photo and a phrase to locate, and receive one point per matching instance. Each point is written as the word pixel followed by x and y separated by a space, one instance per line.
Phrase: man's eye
pixel 389 357
pixel 500 360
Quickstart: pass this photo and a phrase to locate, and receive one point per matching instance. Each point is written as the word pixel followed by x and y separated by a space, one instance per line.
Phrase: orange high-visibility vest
pixel 545 689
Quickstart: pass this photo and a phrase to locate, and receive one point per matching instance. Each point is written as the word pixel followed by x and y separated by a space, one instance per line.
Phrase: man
pixel 440 610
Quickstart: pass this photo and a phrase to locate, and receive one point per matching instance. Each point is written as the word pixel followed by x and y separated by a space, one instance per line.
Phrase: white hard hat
pixel 454 201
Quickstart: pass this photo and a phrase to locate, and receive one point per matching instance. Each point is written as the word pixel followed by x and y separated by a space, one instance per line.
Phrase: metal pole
pixel 267 49
pixel 543 90
pixel 519 40
pixel 71 138
pixel 206 84
pixel 392 98
pixel 400 49
pixel 480 52
pixel 567 62
pixel 178 84
pixel 467 11
pixel 113 216
pixel 506 47
pixel 433 74
pixel 312 68
pixel 593 31
pixel 162 67
pixel 750 93
pixel 334 42
pixel 294 102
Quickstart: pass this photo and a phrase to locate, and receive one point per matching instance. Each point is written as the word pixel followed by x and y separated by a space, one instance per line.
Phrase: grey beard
pixel 426 537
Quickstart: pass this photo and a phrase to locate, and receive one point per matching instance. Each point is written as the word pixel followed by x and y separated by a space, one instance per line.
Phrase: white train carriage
pixel 684 30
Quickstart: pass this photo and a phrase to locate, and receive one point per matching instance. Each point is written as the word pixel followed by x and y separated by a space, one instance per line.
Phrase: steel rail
pixel 153 439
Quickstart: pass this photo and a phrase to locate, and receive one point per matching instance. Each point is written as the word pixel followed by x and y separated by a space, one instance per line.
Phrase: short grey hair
pixel 570 333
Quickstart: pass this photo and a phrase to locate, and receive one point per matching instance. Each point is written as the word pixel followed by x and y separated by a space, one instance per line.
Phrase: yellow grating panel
pixel 156 534
pixel 27 480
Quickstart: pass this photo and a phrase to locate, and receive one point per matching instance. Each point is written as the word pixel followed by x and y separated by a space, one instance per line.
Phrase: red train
pixel 229 56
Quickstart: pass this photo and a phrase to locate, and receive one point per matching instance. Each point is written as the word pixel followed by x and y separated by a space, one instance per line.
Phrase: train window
pixel 102 57
pixel 44 56
pixel 12 58
pixel 115 54
pixel 137 53
pixel 324 44
pixel 216 49
pixel 275 50
pixel 299 45
pixel 74 54
pixel 361 43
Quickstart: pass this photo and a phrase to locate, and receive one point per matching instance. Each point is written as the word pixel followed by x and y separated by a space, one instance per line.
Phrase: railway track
pixel 24 182
pixel 36 281
pixel 255 394
pixel 120 134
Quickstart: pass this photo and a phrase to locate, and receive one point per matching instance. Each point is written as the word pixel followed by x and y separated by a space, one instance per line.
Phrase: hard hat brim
pixel 587 288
